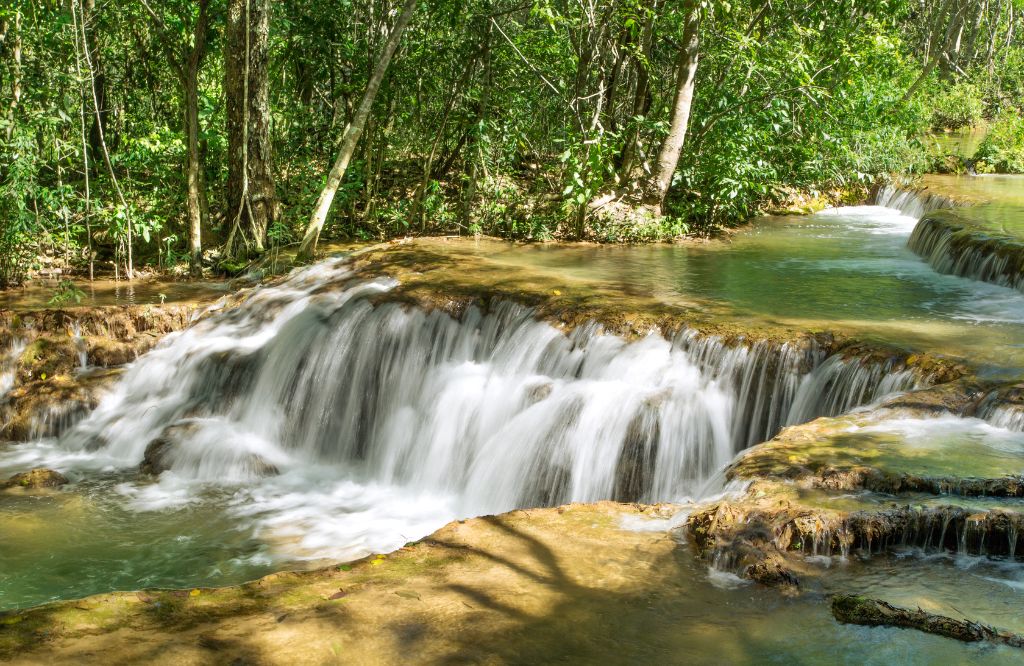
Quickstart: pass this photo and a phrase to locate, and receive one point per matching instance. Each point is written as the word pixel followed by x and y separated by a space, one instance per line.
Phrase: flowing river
pixel 317 421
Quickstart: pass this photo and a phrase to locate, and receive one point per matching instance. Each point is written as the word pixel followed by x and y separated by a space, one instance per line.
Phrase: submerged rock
pixel 874 613
pixel 163 452
pixel 37 479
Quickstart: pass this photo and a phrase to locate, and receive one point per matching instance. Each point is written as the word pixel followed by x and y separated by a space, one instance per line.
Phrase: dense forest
pixel 194 135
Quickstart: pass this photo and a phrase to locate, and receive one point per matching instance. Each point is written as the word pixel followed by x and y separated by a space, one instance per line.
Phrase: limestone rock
pixel 37 479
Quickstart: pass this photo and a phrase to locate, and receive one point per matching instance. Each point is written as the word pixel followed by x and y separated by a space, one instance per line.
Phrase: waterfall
pixel 496 408
pixel 951 247
pixel 955 250
pixel 9 366
pixel 1003 413
pixel 1011 418
pixel 912 203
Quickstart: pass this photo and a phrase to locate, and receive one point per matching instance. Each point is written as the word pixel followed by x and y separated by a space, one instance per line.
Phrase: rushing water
pixel 845 269
pixel 314 423
pixel 331 427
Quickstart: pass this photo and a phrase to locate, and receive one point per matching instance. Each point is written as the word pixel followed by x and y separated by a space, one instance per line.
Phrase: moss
pixel 854 609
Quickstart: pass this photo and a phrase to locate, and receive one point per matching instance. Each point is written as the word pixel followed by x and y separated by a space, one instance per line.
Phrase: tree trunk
pixel 251 196
pixel 15 72
pixel 194 165
pixel 668 158
pixel 98 127
pixel 641 97
pixel 475 151
pixel 352 134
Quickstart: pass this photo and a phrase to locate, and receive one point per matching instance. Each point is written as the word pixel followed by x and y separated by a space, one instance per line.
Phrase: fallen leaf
pixel 338 595
pixel 405 594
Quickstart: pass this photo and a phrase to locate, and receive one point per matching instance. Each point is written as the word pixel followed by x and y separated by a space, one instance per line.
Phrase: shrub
pixel 962 105
pixel 1002 151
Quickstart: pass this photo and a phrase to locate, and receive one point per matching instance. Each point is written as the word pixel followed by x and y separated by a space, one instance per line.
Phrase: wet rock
pixel 160 455
pixel 46 407
pixel 875 613
pixel 953 246
pixel 765 533
pixel 37 479
pixel 49 392
pixel 157 458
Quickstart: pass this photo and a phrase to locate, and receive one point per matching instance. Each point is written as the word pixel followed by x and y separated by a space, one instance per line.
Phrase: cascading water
pixel 1011 418
pixel 951 247
pixel 956 250
pixel 491 411
pixel 8 366
pixel 912 203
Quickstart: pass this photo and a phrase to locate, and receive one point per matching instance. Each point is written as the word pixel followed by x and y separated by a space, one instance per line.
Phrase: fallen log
pixel 852 609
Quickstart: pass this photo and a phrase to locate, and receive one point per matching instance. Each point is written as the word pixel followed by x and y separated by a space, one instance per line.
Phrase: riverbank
pixel 589 583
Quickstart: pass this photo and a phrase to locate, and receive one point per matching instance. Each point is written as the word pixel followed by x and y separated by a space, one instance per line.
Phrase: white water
pixel 912 203
pixel 8 366
pixel 948 250
pixel 339 427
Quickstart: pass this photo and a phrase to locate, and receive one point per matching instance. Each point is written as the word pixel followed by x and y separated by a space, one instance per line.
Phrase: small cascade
pixel 840 385
pixel 911 202
pixel 951 247
pixel 495 408
pixel 9 366
pixel 1004 410
pixel 55 419
pixel 80 346
pixel 1009 417
pixel 956 250
pixel 940 529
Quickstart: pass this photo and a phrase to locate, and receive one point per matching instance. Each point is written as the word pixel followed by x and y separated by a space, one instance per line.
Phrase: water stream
pixel 315 422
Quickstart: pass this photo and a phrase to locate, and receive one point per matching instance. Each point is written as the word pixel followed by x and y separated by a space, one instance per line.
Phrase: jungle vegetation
pixel 198 134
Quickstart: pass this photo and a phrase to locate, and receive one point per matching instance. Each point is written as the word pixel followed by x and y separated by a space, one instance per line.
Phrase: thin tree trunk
pixel 668 158
pixel 129 268
pixel 352 134
pixel 85 143
pixel 419 213
pixel 193 168
pixel 474 150
pixel 641 96
pixel 939 49
pixel 16 82
pixel 251 190
pixel 98 126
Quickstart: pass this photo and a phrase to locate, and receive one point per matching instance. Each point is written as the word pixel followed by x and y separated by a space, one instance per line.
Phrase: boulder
pixel 37 479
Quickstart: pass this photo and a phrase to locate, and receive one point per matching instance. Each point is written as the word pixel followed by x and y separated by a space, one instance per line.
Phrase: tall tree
pixel 353 132
pixel 655 189
pixel 251 196
pixel 186 62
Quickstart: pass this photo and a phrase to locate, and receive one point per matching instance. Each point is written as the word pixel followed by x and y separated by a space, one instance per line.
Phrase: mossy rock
pixel 37 479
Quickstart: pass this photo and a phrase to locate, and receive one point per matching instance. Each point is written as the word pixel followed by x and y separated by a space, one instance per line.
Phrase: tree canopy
pixel 203 132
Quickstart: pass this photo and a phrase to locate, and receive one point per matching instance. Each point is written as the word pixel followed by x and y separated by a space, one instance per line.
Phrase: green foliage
pixel 960 105
pixel 1002 151
pixel 66 293
pixel 528 114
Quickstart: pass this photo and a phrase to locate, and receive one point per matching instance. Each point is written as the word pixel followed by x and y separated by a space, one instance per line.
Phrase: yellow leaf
pixel 556 292
pixel 43 376
pixel 194 593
